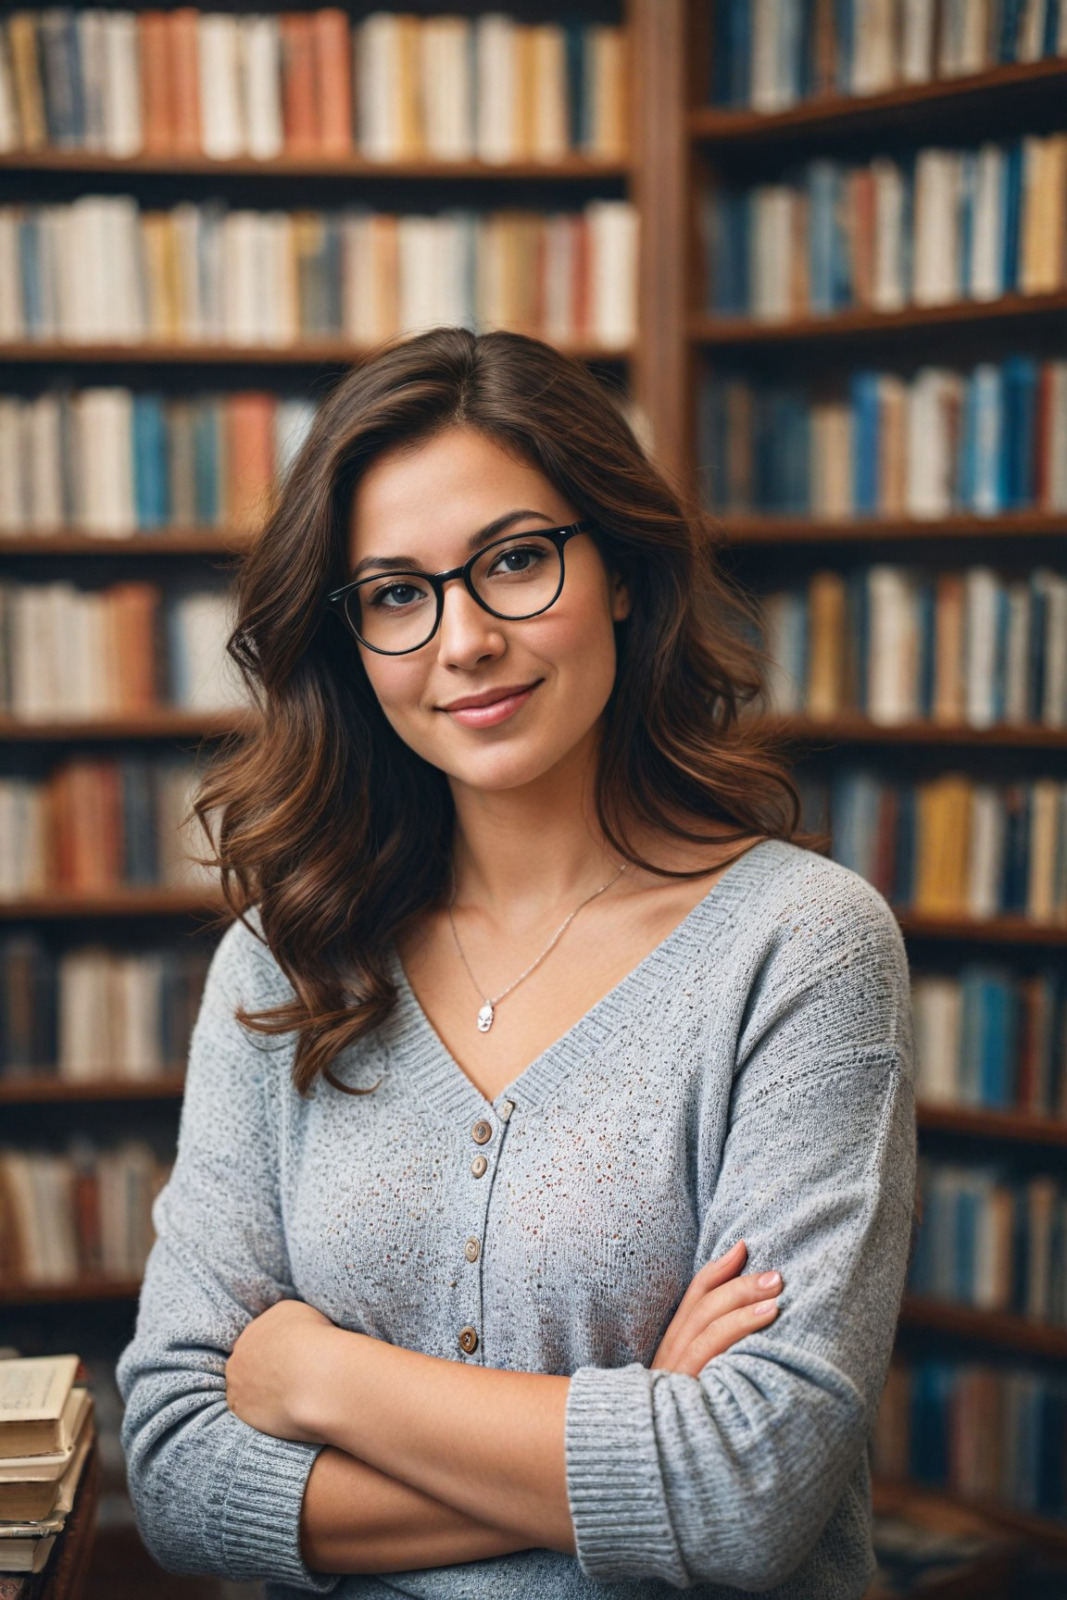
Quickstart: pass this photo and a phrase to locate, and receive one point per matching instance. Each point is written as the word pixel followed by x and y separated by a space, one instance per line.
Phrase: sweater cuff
pixel 260 1521
pixel 615 1490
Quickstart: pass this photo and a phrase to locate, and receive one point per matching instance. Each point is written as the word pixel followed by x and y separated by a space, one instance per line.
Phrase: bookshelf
pixel 729 149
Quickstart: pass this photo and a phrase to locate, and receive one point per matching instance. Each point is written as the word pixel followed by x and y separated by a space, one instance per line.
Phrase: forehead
pixel 443 487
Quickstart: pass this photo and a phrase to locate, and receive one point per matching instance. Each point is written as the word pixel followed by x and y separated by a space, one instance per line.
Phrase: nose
pixel 467 633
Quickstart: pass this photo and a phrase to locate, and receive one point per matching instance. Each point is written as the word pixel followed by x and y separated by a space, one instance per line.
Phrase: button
pixel 505 1110
pixel 478 1166
pixel 482 1132
pixel 471 1249
pixel 468 1339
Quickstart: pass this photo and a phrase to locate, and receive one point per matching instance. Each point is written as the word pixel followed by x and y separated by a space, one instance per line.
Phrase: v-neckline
pixel 443 1083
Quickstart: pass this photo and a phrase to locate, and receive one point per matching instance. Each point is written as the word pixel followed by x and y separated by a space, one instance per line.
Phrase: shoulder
pixel 243 969
pixel 808 916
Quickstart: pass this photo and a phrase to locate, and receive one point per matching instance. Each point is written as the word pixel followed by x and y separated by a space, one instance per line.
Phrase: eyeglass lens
pixel 396 611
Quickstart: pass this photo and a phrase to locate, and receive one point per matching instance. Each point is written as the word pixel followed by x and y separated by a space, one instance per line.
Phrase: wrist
pixel 327 1373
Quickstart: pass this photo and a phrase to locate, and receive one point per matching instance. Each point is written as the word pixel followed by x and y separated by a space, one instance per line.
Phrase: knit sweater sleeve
pixel 729 1477
pixel 212 1494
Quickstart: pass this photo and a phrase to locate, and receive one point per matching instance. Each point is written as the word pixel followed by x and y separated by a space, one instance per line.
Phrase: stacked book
pixel 46 1433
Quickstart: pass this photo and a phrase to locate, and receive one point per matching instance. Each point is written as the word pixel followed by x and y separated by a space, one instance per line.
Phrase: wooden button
pixel 478 1166
pixel 468 1340
pixel 472 1249
pixel 482 1132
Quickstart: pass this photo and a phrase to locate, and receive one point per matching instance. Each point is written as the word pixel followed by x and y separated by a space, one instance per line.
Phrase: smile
pixel 497 711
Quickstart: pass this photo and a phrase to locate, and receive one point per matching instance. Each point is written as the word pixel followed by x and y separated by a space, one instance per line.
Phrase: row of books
pixel 393 87
pixel 114 461
pixel 102 269
pixel 98 824
pixel 904 644
pixel 948 846
pixel 986 440
pixel 124 649
pixel 775 53
pixel 992 1240
pixel 89 1013
pixel 942 226
pixel 81 1212
pixel 992 1434
pixel 46 1433
pixel 987 1036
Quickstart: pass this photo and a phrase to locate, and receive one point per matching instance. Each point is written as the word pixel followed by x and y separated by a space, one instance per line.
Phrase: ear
pixel 621 603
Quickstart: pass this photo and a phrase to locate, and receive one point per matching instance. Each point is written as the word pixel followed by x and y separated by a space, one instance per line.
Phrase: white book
pixel 95 692
pixel 772 254
pixel 378 73
pixel 1031 28
pixel 893 652
pixel 981 588
pixel 765 89
pixel 929 474
pixel 13 517
pixel 972 54
pixel 950 38
pixel 550 131
pixel 613 271
pixel 1017 666
pixel 874 64
pixel 222 133
pixel 103 442
pixel 784 624
pixel 84 1044
pixel 242 323
pixel 91 29
pixel 938 1014
pixel 261 86
pixel 936 233
pixel 206 678
pixel 985 858
pixel 987 280
pixel 123 126
pixel 44 445
pixel 137 984
pixel 888 289
pixel 293 420
pixel 10 129
pixel 357 282
pixel 446 87
pixel 126 270
pixel 497 87
pixel 917 44
pixel 12 326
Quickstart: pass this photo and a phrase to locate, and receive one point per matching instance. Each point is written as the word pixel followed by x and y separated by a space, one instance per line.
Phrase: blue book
pixel 971 1032
pixel 796 455
pixel 150 492
pixel 988 382
pixel 1011 195
pixel 994 1044
pixel 820 178
pixel 1020 409
pixel 208 420
pixel 863 394
pixel 1008 41
pixel 844 27
pixel 903 888
pixel 857 611
pixel 788 50
pixel 741 53
pixel 1000 653
pixel 965 1273
pixel 1050 30
pixel 1036 654
pixel 1016 849
pixel 926 610
pixel 719 86
pixel 140 840
pixel 966 467
pixel 29 249
pixel 968 174
pixel 574 59
pixel 804 86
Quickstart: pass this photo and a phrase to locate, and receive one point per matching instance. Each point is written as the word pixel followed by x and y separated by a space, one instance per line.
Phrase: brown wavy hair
pixel 323 818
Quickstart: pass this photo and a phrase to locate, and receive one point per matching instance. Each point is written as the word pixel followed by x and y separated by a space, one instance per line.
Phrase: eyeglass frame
pixel 337 601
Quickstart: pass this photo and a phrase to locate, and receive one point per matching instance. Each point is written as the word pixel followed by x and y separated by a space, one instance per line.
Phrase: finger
pixel 724 1333
pixel 720 1302
pixel 720 1269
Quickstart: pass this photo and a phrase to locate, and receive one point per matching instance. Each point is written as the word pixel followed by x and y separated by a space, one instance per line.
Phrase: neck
pixel 520 855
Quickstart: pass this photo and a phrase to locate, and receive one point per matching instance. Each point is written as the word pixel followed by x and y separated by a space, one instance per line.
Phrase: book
pixel 38 1407
pixel 33 1488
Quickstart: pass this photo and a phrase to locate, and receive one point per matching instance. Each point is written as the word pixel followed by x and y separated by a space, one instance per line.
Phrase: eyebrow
pixel 410 564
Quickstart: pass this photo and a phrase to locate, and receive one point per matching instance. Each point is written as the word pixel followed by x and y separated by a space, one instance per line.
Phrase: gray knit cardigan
pixel 751 1077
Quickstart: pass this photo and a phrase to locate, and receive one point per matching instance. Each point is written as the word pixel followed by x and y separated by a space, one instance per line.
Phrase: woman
pixel 540 1017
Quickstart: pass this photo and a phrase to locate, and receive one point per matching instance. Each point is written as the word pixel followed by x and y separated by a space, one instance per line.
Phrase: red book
pixel 185 78
pixel 157 86
pixel 333 79
pixel 300 118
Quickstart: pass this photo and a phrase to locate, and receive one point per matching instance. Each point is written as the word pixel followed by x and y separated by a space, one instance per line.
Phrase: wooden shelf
pixel 326 352
pixel 94 1288
pixel 992 930
pixel 1021 1127
pixel 742 528
pixel 860 322
pixel 857 729
pixel 117 902
pixel 890 1498
pixel 1021 1334
pixel 161 542
pixel 568 168
pixel 841 116
pixel 53 1091
pixel 161 724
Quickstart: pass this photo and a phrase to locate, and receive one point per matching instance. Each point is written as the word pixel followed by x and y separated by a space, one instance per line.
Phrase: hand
pixel 270 1367
pixel 717 1310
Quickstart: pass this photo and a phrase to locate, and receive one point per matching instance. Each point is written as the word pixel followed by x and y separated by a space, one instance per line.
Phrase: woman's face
pixel 423 506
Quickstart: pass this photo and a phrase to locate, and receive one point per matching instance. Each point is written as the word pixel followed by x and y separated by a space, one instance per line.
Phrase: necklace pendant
pixel 485 1017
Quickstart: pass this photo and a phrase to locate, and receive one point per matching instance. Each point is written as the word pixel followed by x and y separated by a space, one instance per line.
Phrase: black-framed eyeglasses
pixel 513 578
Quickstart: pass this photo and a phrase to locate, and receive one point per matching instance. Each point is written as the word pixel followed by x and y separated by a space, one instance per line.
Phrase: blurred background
pixel 818 250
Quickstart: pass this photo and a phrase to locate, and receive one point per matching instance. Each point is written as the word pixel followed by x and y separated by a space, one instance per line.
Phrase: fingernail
pixel 769 1280
pixel 765 1308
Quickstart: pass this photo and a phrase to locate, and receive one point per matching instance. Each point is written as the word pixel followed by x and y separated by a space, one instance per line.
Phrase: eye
pixel 396 596
pixel 518 558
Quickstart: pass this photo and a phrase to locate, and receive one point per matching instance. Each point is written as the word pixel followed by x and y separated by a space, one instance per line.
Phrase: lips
pixel 488 714
pixel 489 696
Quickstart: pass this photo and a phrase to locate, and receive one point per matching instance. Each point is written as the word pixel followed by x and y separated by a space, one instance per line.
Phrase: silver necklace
pixel 485 1015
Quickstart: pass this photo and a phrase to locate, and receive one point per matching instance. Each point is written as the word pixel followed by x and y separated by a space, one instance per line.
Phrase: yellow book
pixel 550 141
pixel 826 623
pixel 410 122
pixel 26 79
pixel 943 817
pixel 524 110
pixel 608 84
